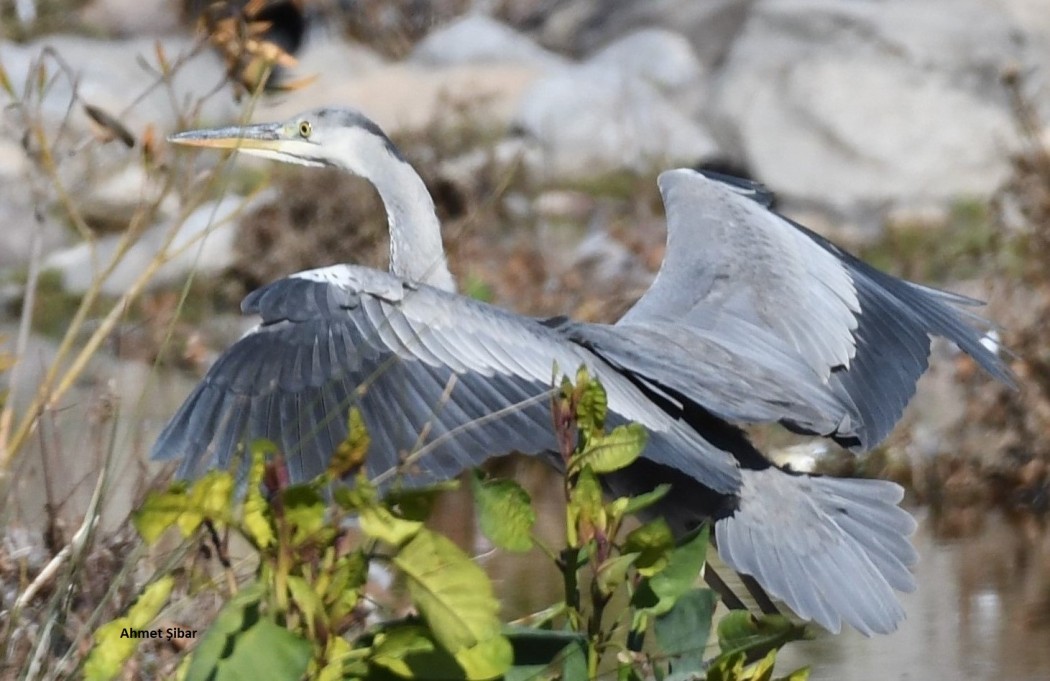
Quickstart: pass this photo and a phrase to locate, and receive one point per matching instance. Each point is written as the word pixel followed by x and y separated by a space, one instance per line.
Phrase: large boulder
pixel 479 39
pixel 660 57
pixel 110 74
pixel 203 244
pixel 851 103
pixel 580 27
pixel 627 107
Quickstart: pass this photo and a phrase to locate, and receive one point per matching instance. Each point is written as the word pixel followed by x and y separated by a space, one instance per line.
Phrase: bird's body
pixel 751 319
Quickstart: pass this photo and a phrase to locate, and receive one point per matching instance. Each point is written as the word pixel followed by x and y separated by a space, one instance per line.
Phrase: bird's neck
pixel 416 251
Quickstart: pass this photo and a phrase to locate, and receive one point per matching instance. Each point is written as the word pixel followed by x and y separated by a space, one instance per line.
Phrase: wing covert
pixel 756 381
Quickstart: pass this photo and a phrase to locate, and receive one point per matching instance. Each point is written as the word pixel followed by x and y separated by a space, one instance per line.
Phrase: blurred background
pixel 915 133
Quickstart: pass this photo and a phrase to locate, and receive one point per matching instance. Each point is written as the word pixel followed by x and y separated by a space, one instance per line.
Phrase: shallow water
pixel 981 611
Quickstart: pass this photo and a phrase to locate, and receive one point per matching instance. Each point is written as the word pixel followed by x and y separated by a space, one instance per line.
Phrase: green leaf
pixel 742 632
pixel 727 668
pixel 362 495
pixel 264 651
pixel 618 449
pixel 307 600
pixel 541 654
pixel 801 674
pixel 592 407
pixel 451 592
pixel 159 511
pixel 337 654
pixel 230 620
pixel 242 645
pixel 347 577
pixel 305 510
pixel 350 454
pixel 150 602
pixel 628 505
pixel 613 572
pixel 185 508
pixel 763 669
pixel 732 667
pixel 489 659
pixel 208 498
pixel 504 512
pixel 653 542
pixel 586 508
pixel 350 573
pixel 112 648
pixel 412 653
pixel 256 516
pixel 378 522
pixel 657 594
pixel 682 632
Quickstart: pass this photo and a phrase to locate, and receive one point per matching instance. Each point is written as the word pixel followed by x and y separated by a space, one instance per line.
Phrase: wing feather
pixel 753 382
pixel 864 332
pixel 446 380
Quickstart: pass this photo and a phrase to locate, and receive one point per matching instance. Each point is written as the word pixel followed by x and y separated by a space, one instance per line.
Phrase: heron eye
pixel 305 129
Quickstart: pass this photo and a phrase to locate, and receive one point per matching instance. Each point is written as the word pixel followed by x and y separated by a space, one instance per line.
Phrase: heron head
pixel 336 137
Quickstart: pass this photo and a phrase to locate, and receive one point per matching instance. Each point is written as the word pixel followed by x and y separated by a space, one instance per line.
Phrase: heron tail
pixel 831 549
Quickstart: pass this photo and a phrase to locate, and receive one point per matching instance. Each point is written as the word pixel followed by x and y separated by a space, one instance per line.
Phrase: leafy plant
pixel 307 602
pixel 654 570
pixel 308 610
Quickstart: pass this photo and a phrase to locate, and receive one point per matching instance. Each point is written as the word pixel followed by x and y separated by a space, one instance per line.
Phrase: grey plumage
pixel 414 359
pixel 751 318
pixel 866 333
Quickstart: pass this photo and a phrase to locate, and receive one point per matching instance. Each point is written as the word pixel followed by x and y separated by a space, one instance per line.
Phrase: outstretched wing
pixel 443 383
pixel 731 260
pixel 755 382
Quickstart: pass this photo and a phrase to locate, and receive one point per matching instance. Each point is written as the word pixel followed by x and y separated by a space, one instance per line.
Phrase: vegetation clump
pixel 310 609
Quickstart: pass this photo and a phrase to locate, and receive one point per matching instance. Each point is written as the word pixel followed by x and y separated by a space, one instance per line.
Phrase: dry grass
pixel 60 577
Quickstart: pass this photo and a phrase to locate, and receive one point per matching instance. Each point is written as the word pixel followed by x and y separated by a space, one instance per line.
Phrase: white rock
pixel 411 96
pixel 710 25
pixel 13 161
pixel 852 103
pixel 1031 14
pixel 126 17
pixel 594 118
pixel 18 219
pixel 206 255
pixel 478 39
pixel 18 211
pixel 120 195
pixel 659 56
pixel 564 204
pixel 109 76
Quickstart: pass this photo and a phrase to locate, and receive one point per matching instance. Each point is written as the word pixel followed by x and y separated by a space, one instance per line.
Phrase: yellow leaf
pixel 116 641
pixel 380 523
pixel 257 521
pixel 350 454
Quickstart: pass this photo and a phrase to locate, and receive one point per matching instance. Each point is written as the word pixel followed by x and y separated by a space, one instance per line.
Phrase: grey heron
pixel 751 318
